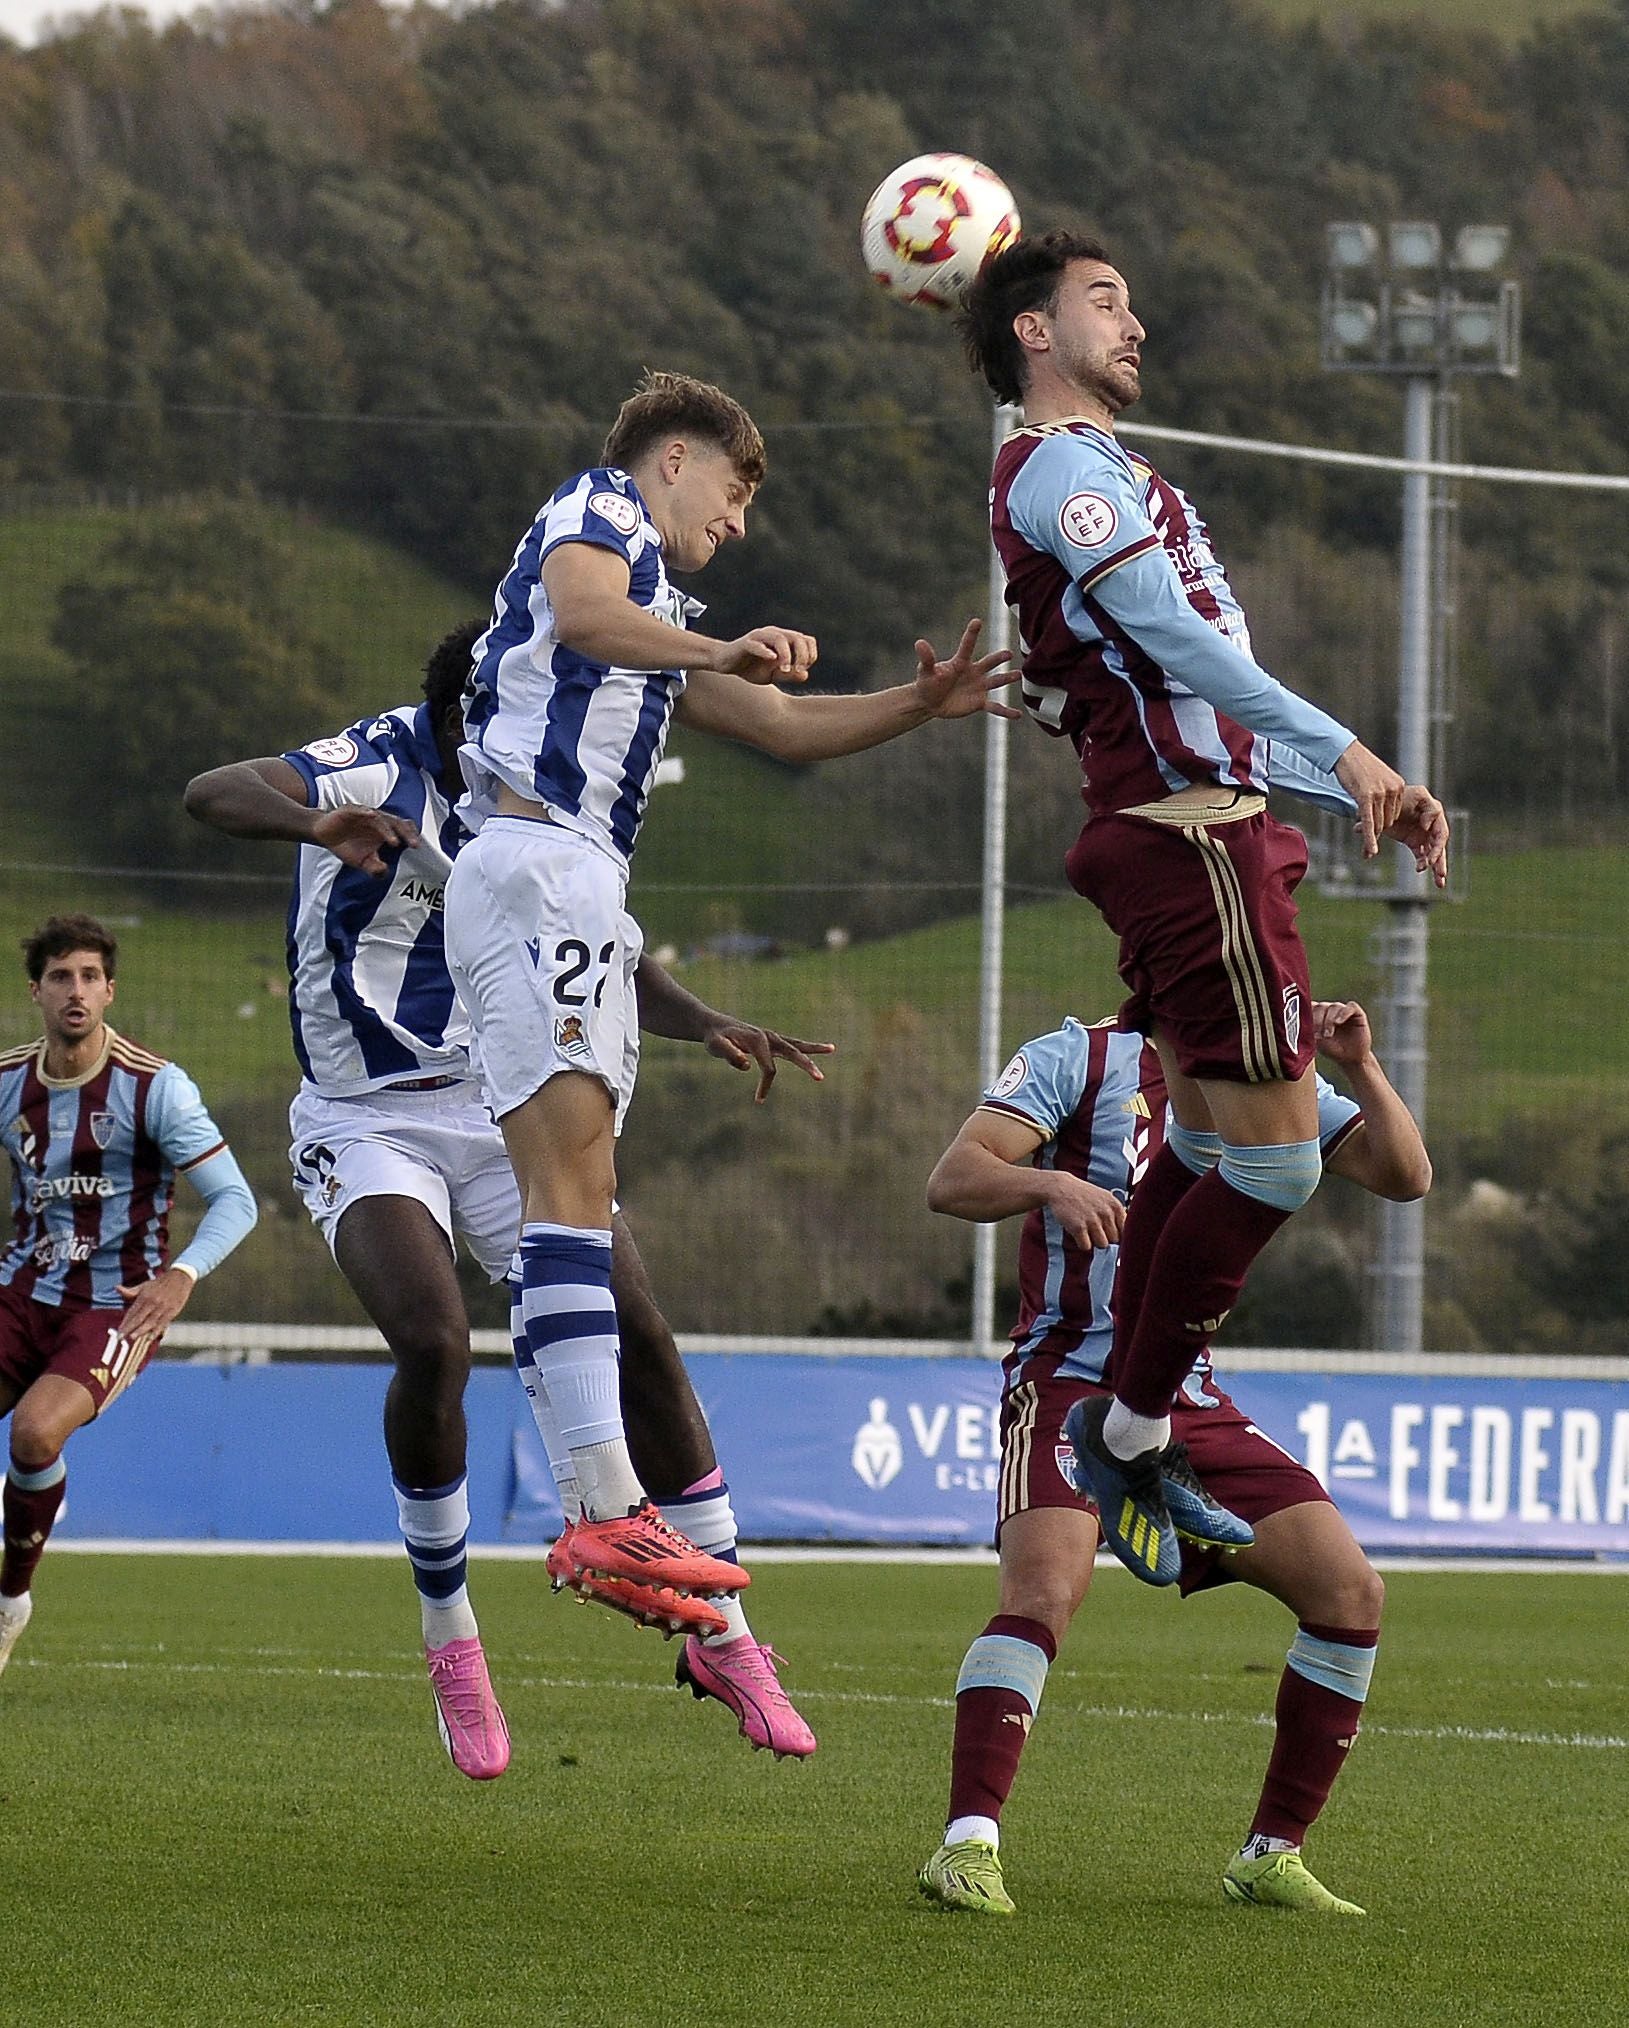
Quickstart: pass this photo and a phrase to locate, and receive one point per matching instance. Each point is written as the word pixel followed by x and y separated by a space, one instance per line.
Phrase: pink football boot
pixel 741 1675
pixel 467 1715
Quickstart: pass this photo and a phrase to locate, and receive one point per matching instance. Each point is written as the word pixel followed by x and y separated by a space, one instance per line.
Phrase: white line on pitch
pixel 918 1555
pixel 1497 1735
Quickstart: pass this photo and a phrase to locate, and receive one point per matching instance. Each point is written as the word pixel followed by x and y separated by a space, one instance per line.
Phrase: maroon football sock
pixel 1315 1731
pixel 992 1725
pixel 1209 1240
pixel 29 1513
pixel 1160 1189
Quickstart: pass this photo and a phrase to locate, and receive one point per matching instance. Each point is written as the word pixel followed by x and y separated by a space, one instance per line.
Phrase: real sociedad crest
pixel 1292 1018
pixel 102 1126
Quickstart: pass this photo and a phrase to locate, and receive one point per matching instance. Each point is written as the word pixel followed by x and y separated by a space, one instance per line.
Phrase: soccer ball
pixel 929 227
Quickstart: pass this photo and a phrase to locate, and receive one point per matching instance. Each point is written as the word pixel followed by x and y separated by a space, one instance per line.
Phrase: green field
pixel 226 1804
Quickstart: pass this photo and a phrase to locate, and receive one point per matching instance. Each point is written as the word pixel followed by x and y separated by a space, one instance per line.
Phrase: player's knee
pixel 1042 1596
pixel 1284 1176
pixel 1196 1149
pixel 432 1358
pixel 36 1439
pixel 1369 1595
pixel 1354 1595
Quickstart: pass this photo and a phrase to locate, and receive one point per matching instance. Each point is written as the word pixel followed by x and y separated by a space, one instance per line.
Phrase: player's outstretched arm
pixel 805 729
pixel 669 1009
pixel 594 616
pixel 1386 1155
pixel 267 799
pixel 981 1177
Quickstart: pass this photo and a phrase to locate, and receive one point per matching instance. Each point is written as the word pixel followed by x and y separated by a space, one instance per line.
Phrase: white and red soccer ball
pixel 929 227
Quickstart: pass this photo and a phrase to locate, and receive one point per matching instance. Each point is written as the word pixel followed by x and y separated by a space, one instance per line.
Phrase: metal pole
pixel 992 912
pixel 1400 1265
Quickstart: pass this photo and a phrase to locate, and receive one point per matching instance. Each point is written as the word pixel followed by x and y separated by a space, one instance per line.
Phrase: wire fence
pixel 842 904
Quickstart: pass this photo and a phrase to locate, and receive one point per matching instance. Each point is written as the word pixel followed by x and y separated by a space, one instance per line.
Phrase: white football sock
pixel 986 1829
pixel 1127 1435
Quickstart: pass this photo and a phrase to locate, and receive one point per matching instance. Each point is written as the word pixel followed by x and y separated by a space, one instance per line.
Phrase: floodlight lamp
pixel 1479 248
pixel 1414 325
pixel 1475 328
pixel 1351 245
pixel 1352 326
pixel 1414 243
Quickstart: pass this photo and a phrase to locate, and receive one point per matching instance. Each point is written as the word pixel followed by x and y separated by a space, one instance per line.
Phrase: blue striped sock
pixel 435 1528
pixel 570 1322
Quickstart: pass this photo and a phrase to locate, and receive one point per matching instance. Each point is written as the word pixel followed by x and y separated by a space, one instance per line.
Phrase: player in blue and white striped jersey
pixel 589 658
pixel 371 1002
pixel 395 1154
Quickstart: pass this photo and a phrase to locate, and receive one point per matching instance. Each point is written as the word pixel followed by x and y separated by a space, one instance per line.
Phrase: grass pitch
pixel 224 1803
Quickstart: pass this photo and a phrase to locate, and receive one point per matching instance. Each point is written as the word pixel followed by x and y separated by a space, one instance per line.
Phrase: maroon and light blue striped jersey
pixel 1098 1097
pixel 1134 645
pixel 93 1170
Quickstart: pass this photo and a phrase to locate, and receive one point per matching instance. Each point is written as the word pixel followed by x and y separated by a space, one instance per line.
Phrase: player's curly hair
pixel 447 673
pixel 60 934
pixel 668 405
pixel 1024 277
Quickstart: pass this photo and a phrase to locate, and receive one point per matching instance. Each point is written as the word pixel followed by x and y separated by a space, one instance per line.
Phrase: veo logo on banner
pixel 961 1440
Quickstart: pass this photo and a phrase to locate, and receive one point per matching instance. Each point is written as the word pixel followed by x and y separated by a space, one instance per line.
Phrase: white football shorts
pixel 439 1147
pixel 543 955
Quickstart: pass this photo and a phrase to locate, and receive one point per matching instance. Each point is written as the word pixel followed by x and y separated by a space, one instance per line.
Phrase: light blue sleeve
pixel 230 1212
pixel 1337 1114
pixel 1287 770
pixel 1145 597
pixel 1077 498
pixel 179 1122
pixel 1044 1082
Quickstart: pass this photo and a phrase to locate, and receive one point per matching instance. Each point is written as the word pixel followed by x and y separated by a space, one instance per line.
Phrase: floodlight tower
pixel 1399 304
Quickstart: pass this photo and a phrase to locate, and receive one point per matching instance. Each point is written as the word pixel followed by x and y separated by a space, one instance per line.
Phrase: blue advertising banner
pixel 861 1449
pixel 907 1450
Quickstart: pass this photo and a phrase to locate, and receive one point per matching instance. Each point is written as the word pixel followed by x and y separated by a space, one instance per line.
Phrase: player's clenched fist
pixel 771 655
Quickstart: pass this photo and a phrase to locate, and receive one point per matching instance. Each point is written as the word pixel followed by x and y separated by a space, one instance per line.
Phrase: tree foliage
pixel 186 649
pixel 402 266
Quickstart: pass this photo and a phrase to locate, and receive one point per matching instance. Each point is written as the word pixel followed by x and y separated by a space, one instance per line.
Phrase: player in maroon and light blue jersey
pixel 1136 649
pixel 1066 1136
pixel 96 1128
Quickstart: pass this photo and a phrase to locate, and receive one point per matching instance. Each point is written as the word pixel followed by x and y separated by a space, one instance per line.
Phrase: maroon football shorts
pixel 1240 1466
pixel 1205 914
pixel 79 1344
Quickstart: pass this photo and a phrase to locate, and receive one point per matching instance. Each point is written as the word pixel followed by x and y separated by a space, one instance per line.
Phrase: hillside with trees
pixel 400 269
pixel 303 311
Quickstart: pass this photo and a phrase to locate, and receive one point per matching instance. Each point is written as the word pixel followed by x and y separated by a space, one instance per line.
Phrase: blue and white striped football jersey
pixel 1098 1096
pixel 371 1000
pixel 582 737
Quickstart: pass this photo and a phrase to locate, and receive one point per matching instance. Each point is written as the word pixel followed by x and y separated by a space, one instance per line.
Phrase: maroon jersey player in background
pixel 96 1128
